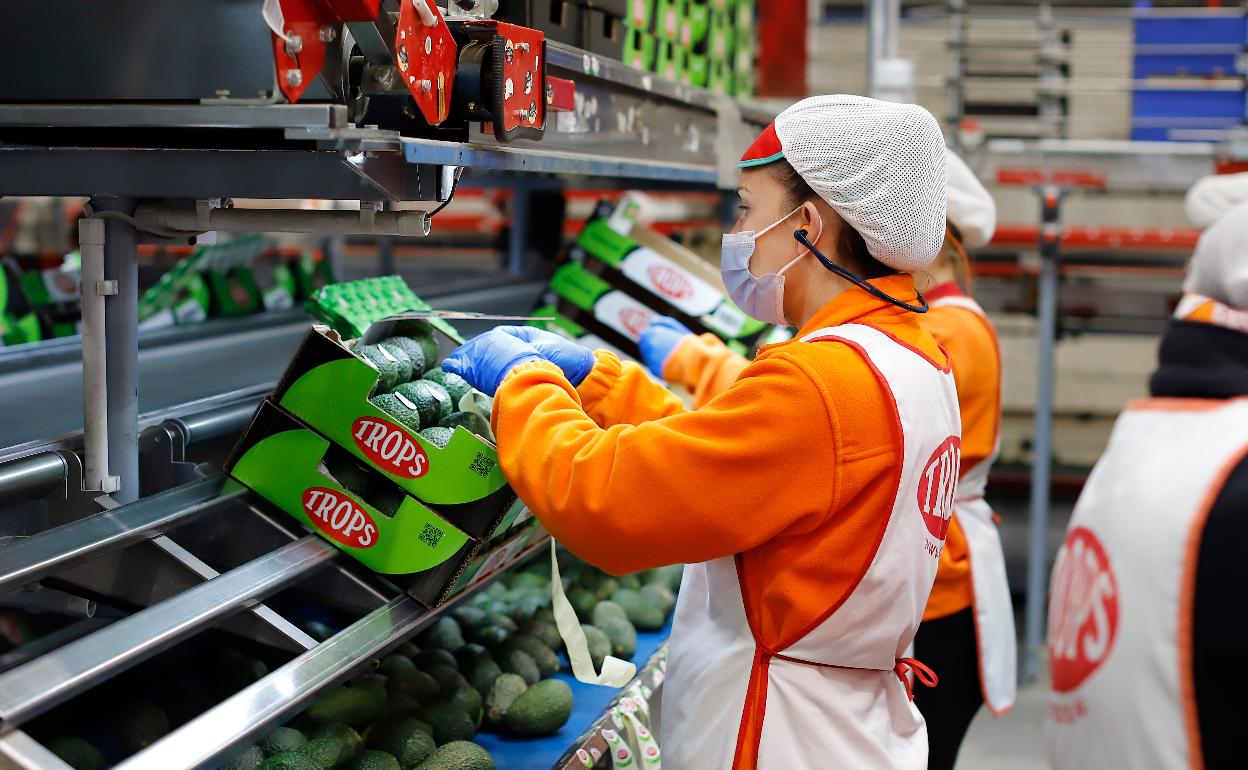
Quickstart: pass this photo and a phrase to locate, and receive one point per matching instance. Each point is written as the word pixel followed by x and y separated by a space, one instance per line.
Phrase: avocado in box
pixel 356 509
pixel 385 399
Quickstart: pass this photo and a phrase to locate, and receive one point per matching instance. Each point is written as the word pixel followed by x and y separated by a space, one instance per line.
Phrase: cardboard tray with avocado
pixel 281 459
pixel 328 387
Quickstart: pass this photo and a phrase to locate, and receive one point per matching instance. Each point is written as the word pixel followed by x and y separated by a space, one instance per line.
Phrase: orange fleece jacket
pixel 794 467
pixel 704 366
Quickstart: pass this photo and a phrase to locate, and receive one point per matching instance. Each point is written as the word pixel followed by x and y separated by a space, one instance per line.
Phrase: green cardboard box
pixel 745 84
pixel 640 15
pixel 722 36
pixel 580 325
pixel 234 292
pixel 491 560
pixel 668 17
pixel 669 60
pixel 723 6
pixel 639 49
pixel 721 78
pixel 745 16
pixel 697 70
pixel 328 388
pixel 694 24
pixel 284 461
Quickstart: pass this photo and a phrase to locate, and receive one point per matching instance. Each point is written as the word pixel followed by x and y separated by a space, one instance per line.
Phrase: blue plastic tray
pixel 1180 64
pixel 1197 29
pixel 1187 103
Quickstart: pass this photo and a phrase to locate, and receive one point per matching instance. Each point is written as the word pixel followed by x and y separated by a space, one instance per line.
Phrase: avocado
pixel 400 409
pixel 449 722
pixel 438 436
pixel 377 731
pixel 506 689
pixel 355 706
pixel 281 739
pixel 349 742
pixel 629 581
pixel 415 352
pixel 375 760
pixel 448 678
pixel 319 753
pixel 384 362
pixel 428 346
pixel 469 421
pixel 583 601
pixel 139 725
pixel 599 644
pixel 407 366
pixel 540 710
pixel 444 635
pixel 608 609
pixel 407 650
pixel 519 662
pixel 546 631
pixel 621 633
pixel 401 704
pixel 76 752
pixel 527 579
pixel 408 740
pixel 318 630
pixel 246 758
pixel 432 657
pixel 545 615
pixel 408 680
pixel 288 760
pixel 233 674
pixel 642 614
pixel 470 701
pixel 429 397
pixel 669 576
pixel 456 387
pixel 374 683
pixel 659 595
pixel 459 755
pixel 468 616
pixel 482 672
pixel 467 654
pixel 545 658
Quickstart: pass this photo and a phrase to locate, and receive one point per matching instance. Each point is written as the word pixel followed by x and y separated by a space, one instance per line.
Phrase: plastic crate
pixel 1196 29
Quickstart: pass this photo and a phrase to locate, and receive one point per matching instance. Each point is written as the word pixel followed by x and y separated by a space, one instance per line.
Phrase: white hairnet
pixel 880 165
pixel 969 207
pixel 1215 195
pixel 1219 266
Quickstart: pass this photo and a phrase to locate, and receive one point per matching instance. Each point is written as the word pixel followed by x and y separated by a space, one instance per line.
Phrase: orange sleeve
pixel 621 393
pixel 689 487
pixel 972 346
pixel 704 366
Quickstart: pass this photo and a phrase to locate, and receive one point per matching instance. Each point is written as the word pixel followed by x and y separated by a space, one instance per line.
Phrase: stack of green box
pixel 703 43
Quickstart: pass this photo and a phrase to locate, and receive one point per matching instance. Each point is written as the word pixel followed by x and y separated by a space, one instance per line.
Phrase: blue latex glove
pixel 484 361
pixel 575 360
pixel 659 341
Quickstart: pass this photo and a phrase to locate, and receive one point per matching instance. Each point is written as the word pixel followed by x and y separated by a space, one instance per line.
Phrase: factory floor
pixel 1013 741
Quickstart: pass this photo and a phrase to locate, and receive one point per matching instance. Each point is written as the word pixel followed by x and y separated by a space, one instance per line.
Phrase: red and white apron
pixel 994 609
pixel 835 697
pixel 1120 613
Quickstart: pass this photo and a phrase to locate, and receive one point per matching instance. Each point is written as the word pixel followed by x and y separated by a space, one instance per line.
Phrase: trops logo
pixel 1083 610
pixel 635 320
pixel 340 517
pixel 937 486
pixel 390 447
pixel 669 281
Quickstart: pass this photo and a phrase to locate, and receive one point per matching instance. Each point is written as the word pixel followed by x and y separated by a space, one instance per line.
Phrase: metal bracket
pixel 106 287
pixel 368 214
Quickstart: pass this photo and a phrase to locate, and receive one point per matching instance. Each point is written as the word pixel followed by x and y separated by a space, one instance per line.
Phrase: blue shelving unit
pixel 1188 69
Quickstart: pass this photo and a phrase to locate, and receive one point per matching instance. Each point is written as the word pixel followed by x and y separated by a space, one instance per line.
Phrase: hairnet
pixel 880 165
pixel 1219 267
pixel 1215 195
pixel 970 208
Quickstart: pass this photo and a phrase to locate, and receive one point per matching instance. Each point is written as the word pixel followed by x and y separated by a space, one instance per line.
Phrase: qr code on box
pixel 482 465
pixel 431 536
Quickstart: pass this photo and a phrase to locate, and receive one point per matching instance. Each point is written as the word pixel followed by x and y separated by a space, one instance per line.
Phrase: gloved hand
pixel 659 341
pixel 484 361
pixel 575 360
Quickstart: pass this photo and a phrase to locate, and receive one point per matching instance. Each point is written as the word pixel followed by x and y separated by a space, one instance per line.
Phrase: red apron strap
pixel 925 675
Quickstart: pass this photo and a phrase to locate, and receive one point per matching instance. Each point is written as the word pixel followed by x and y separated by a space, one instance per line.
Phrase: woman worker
pixel 1146 618
pixel 811 498
pixel 967 635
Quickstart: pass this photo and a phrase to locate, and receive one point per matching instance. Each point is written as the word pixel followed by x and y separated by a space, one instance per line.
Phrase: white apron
pixel 1120 613
pixel 993 608
pixel 834 699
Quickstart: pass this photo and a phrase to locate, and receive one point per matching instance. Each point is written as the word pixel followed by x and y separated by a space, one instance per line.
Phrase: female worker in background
pixel 810 498
pixel 1146 617
pixel 967 636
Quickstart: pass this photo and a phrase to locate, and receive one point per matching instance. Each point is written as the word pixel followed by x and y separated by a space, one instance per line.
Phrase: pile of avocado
pixel 613 609
pixel 415 391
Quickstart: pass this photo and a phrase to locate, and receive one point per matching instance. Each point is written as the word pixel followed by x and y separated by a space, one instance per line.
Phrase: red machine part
pixel 1094 180
pixel 521 71
pixel 426 55
pixel 308 25
pixel 560 94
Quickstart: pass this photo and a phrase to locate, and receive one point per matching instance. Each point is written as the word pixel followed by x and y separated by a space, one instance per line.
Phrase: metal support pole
pixel 883 23
pixel 518 235
pixel 121 351
pixel 1042 443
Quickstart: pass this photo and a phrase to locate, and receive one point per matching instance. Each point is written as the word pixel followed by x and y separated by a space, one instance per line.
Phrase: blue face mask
pixel 761 297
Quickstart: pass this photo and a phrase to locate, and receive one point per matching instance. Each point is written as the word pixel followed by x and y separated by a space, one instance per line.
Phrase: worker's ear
pixel 812 222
